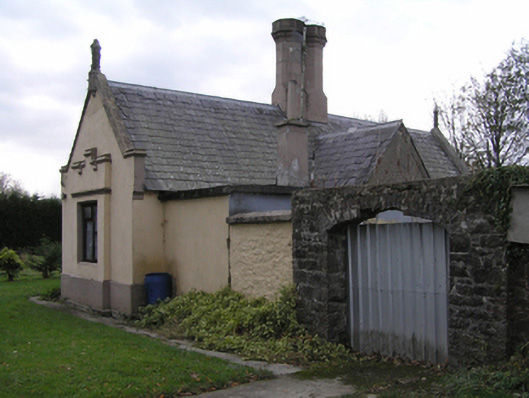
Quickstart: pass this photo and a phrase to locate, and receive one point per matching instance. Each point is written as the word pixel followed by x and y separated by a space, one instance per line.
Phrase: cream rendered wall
pixel 117 179
pixel 121 223
pixel 261 258
pixel 69 237
pixel 148 235
pixel 196 248
pixel 519 228
pixel 70 264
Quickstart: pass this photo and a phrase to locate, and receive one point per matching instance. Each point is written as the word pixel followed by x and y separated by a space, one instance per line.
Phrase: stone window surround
pixel 83 225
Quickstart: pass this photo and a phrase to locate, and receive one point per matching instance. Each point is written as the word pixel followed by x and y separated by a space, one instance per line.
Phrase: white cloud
pixel 27 164
pixel 390 55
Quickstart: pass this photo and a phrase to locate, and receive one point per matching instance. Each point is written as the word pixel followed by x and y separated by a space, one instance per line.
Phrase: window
pixel 89 232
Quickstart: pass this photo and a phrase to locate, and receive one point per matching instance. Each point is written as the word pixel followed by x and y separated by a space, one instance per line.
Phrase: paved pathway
pixel 285 385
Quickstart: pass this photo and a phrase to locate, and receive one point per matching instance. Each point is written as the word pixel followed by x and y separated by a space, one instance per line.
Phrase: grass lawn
pixel 46 353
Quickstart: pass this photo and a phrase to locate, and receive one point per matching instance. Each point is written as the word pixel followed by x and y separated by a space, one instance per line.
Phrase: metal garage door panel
pixel 398 290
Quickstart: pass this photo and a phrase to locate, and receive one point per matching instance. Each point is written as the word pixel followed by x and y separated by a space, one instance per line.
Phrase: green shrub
pixel 498 380
pixel 10 263
pixel 253 328
pixel 54 294
pixel 46 258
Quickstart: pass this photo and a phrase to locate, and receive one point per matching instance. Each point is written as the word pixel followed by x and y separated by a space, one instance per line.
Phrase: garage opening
pixel 397 287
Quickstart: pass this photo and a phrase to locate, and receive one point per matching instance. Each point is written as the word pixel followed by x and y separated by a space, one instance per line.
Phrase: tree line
pixel 30 226
pixel 25 219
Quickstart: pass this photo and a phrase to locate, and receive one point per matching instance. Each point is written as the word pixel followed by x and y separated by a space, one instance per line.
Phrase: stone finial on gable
pixel 96 66
pixel 96 56
pixel 436 117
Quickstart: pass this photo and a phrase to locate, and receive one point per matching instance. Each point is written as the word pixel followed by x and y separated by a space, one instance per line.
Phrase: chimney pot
pixel 287 27
pixel 316 34
pixel 299 70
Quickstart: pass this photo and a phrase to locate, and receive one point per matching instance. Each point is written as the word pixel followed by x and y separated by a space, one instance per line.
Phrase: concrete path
pixel 285 385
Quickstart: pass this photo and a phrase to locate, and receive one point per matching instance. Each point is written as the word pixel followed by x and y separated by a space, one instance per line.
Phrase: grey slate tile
pixel 196 141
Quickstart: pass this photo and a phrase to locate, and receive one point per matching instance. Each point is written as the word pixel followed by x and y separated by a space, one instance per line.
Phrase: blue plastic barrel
pixel 158 286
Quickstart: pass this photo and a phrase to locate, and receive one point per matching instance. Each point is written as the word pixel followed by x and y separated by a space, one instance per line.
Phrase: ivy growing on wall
pixel 493 188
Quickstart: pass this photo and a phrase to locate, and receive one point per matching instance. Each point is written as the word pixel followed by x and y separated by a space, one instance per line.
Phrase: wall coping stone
pixel 260 217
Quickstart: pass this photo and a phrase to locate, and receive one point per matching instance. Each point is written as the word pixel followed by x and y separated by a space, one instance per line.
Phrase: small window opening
pixel 89 232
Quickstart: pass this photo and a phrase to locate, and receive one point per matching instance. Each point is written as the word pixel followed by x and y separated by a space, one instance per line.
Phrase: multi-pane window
pixel 89 231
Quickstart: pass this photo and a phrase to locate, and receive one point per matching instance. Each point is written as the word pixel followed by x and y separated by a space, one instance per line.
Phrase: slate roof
pixel 348 158
pixel 195 141
pixel 433 149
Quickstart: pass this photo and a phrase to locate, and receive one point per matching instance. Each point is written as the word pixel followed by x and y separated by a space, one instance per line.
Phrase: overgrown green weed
pixel 259 329
pixel 253 328
pixel 499 380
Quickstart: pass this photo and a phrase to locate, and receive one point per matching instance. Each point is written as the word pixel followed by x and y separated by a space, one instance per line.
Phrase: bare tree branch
pixel 488 121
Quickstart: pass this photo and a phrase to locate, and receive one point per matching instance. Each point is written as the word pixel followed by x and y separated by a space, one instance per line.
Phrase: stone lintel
pixel 102 191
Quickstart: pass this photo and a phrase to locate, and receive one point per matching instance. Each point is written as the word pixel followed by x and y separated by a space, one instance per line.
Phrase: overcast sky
pixel 394 56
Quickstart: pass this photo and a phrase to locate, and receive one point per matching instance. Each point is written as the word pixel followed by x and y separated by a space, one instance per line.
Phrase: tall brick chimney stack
pixel 316 100
pixel 288 35
pixel 299 93
pixel 299 70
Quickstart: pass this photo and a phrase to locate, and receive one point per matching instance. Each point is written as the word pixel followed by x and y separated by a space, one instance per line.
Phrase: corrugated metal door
pixel 398 277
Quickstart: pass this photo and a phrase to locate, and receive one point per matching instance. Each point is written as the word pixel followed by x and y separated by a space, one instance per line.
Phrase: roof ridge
pixel 113 83
pixel 417 131
pixel 354 118
pixel 362 128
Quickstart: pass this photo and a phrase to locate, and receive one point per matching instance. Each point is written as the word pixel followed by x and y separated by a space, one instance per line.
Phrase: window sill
pixel 87 262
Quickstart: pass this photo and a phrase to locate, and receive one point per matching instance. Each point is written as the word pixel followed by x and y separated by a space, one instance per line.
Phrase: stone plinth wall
pixel 478 321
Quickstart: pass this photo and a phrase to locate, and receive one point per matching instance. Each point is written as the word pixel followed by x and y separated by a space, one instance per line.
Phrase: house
pixel 199 187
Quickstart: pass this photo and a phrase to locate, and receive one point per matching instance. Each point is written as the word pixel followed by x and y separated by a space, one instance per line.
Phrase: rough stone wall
pixel 260 258
pixel 478 321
